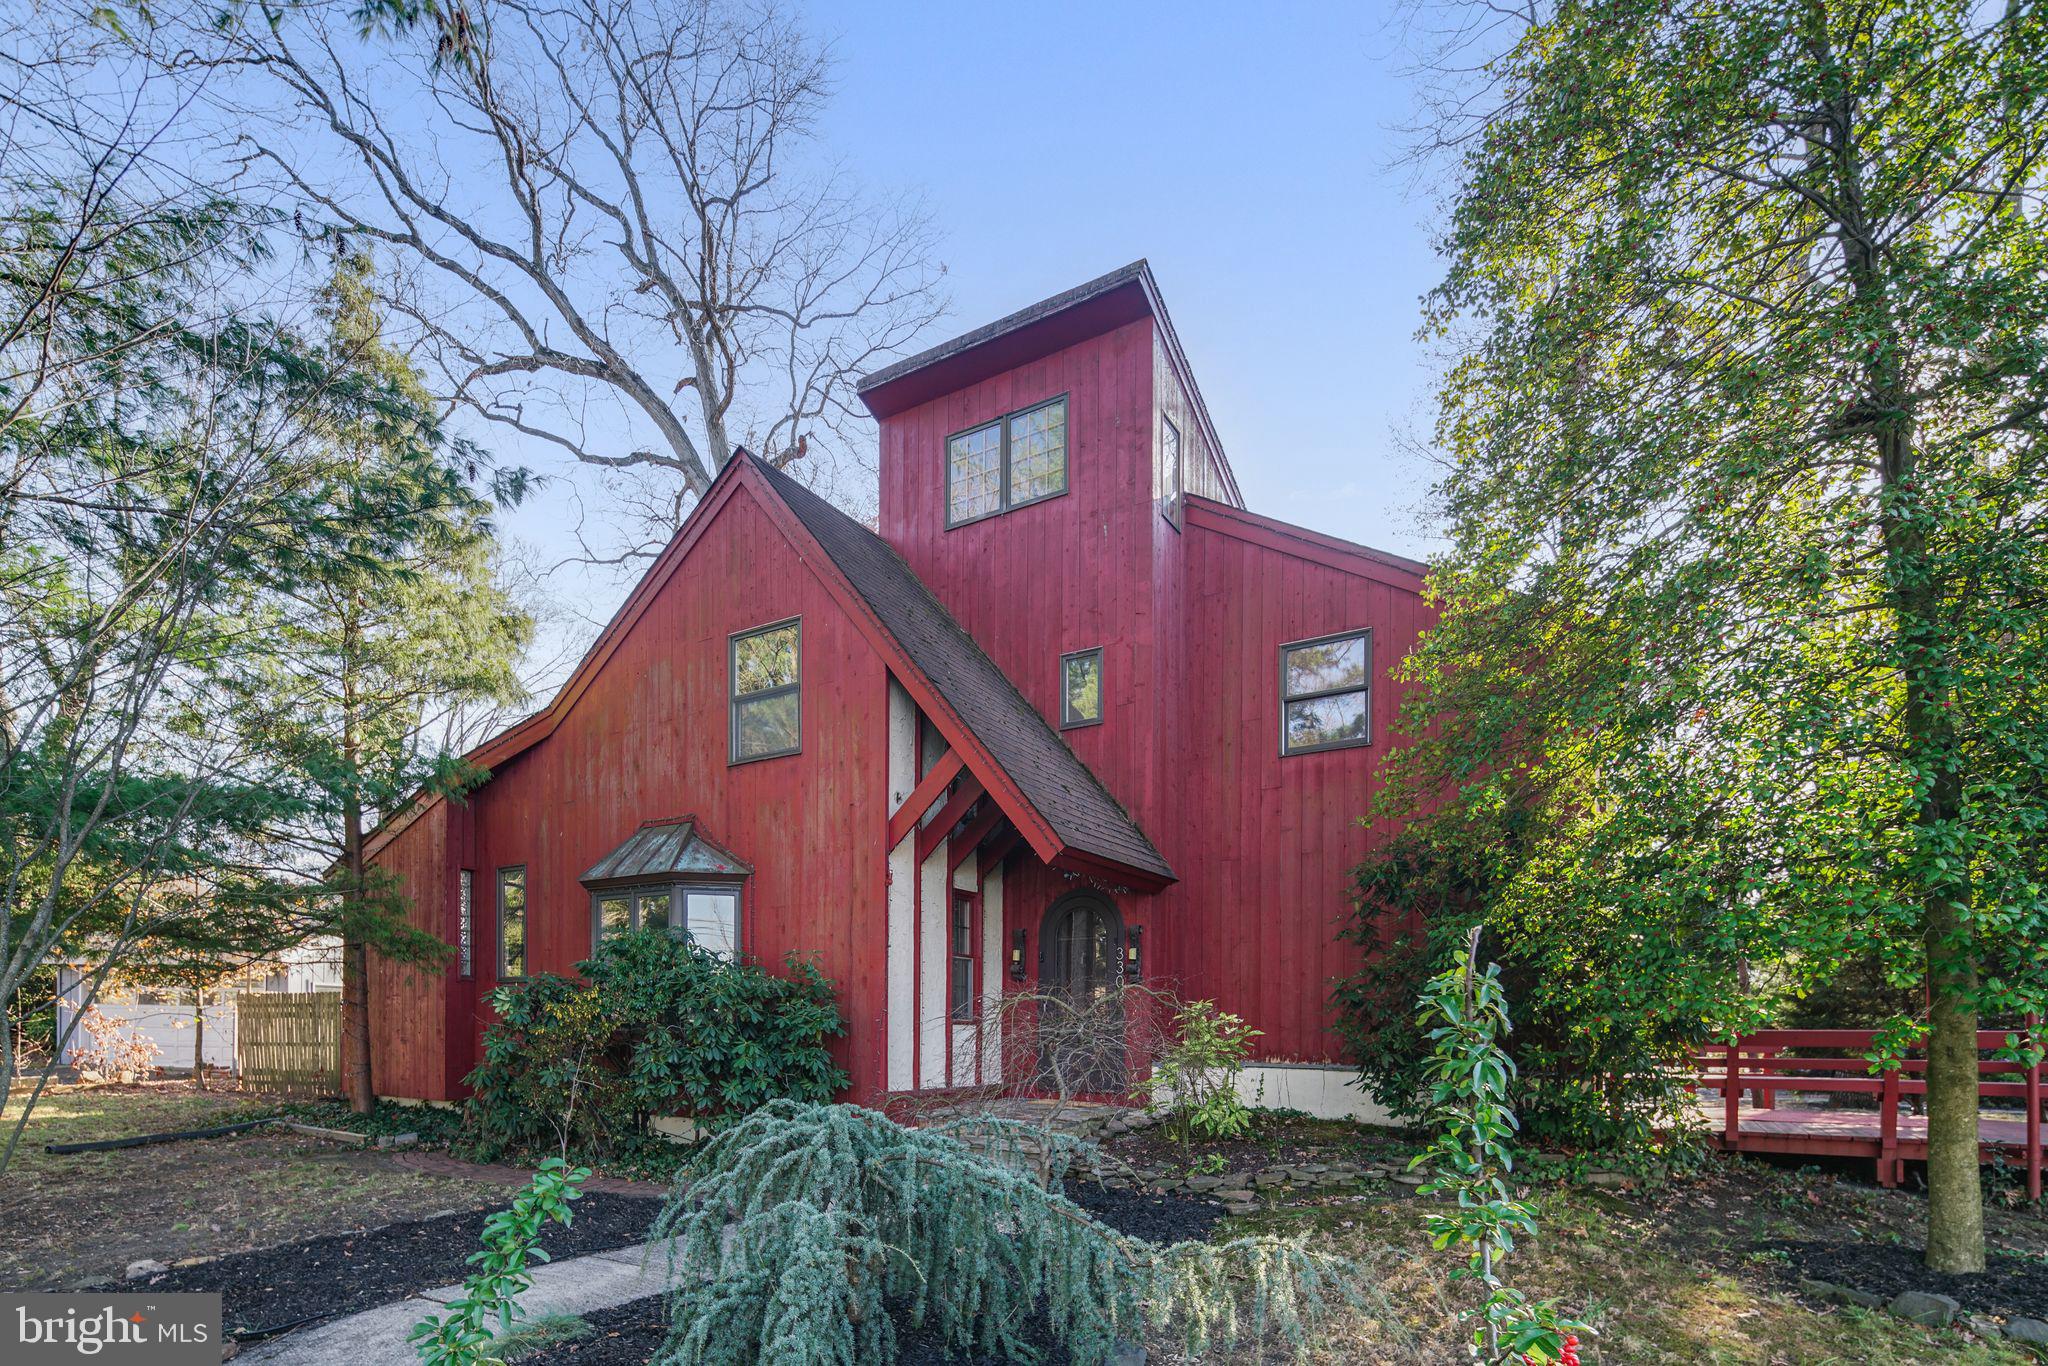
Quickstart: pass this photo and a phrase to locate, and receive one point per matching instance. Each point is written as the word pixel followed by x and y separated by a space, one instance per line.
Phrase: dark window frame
pixel 465 923
pixel 1004 503
pixel 525 923
pixel 1362 634
pixel 1068 721
pixel 678 891
pixel 734 697
pixel 963 966
pixel 1177 483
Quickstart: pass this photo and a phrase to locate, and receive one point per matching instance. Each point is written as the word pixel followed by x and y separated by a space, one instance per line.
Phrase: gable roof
pixel 1057 804
pixel 1051 778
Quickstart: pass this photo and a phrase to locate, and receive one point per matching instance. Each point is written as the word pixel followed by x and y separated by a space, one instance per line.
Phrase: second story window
pixel 1325 692
pixel 1169 469
pixel 767 698
pixel 1018 459
pixel 1081 688
pixel 511 924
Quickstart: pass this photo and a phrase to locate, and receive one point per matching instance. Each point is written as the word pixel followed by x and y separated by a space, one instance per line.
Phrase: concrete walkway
pixel 377 1337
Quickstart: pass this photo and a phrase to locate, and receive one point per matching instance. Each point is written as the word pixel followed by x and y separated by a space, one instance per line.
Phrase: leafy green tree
pixel 371 647
pixel 1744 633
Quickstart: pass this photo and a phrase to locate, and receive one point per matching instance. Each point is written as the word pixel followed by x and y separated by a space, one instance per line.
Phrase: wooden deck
pixel 1741 1083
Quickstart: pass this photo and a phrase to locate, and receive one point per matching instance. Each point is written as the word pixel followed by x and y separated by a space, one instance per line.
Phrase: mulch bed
pixel 269 1290
pixel 2012 1287
pixel 629 1334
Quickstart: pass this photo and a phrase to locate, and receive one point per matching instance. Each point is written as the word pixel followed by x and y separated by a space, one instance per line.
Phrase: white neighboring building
pixel 169 1016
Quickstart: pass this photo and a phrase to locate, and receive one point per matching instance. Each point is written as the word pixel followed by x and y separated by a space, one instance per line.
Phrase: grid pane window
pixel 1038 453
pixel 1081 688
pixel 1017 459
pixel 511 923
pixel 1325 690
pixel 974 473
pixel 767 697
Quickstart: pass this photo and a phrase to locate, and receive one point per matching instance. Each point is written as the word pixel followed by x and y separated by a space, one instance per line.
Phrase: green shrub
pixel 796 1232
pixel 655 1026
pixel 465 1335
pixel 1197 1071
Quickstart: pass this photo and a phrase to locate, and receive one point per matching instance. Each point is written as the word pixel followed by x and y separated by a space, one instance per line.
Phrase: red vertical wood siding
pixel 410 1006
pixel 647 740
pixel 1191 620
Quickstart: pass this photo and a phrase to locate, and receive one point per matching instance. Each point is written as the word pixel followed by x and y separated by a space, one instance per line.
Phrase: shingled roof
pixel 1057 784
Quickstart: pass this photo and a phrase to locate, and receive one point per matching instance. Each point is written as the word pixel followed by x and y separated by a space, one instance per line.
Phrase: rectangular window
pixel 1019 458
pixel 962 985
pixel 1325 692
pixel 1081 689
pixel 974 474
pixel 1169 469
pixel 465 922
pixel 511 923
pixel 621 910
pixel 767 704
pixel 712 919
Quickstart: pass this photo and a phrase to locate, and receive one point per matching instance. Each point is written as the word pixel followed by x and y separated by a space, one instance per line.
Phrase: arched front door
pixel 1080 966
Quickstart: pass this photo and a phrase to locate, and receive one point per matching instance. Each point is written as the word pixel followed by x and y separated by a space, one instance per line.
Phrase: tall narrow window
pixel 1081 689
pixel 511 923
pixel 465 922
pixel 767 704
pixel 1325 692
pixel 962 984
pixel 1017 459
pixel 1169 469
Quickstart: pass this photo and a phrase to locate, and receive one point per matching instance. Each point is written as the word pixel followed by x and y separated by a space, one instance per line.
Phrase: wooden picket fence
pixel 289 1042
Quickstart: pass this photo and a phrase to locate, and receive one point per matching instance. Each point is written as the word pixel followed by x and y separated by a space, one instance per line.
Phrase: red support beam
pixel 921 798
pixel 998 850
pixel 977 830
pixel 933 835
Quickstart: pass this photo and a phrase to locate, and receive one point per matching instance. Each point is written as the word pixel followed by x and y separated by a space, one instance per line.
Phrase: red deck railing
pixel 1764 1064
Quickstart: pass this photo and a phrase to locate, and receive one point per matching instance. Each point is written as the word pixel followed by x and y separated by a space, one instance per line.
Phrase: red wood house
pixel 1072 715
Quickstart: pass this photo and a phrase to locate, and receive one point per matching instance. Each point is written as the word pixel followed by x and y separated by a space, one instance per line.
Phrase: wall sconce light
pixel 1017 955
pixel 1134 968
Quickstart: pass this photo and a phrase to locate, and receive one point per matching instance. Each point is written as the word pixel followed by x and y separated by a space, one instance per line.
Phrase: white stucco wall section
pixel 1322 1090
pixel 930 1010
pixel 902 1008
pixel 995 962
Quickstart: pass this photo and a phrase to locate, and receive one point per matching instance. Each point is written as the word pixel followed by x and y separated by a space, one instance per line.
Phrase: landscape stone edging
pixel 1929 1310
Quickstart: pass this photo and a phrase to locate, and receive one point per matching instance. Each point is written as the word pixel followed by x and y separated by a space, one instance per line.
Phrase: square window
pixel 614 916
pixel 1081 688
pixel 1326 693
pixel 653 910
pixel 767 698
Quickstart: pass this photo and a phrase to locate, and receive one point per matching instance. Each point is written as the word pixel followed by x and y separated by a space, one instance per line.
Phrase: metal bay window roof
pixel 666 849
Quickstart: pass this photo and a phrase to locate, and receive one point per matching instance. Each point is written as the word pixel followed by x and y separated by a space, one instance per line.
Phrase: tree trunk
pixel 356 1082
pixel 1955 1200
pixel 199 1037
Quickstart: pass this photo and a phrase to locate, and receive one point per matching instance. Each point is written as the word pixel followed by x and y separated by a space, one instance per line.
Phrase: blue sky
pixel 1249 159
